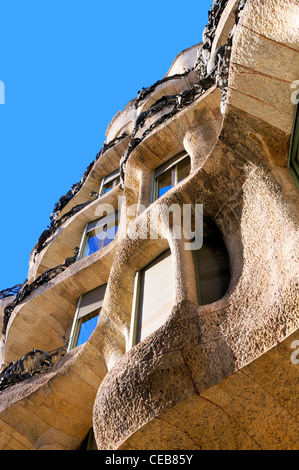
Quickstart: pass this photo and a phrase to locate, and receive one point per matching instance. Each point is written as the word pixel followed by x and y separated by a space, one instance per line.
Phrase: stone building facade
pixel 128 334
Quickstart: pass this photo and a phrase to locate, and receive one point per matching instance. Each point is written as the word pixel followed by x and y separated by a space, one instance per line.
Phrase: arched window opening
pixel 212 268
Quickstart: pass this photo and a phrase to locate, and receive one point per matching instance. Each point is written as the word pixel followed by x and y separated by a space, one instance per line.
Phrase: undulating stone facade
pixel 218 375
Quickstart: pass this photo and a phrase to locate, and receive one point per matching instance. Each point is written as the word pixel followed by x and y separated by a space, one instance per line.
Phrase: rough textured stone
pixel 217 376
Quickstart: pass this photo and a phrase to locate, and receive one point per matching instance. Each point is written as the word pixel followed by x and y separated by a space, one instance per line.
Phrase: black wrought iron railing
pixel 31 364
pixel 64 200
pixel 10 291
pixel 26 289
pixel 209 72
pixel 211 69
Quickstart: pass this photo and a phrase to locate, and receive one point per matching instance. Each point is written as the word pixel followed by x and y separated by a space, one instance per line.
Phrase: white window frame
pixel 132 341
pixel 90 225
pixel 108 179
pixel 77 317
pixel 169 164
pixel 135 312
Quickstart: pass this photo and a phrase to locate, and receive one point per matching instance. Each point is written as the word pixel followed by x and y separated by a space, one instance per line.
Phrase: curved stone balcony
pixel 62 243
pixel 46 316
pixel 228 360
pixel 175 81
pixel 125 122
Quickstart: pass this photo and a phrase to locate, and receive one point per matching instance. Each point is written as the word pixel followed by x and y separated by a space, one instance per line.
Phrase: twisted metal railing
pixel 207 76
pixel 64 200
pixel 10 291
pixel 212 69
pixel 27 289
pixel 209 73
pixel 31 364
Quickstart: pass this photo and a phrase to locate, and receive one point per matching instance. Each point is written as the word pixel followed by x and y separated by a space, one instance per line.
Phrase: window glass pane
pixel 156 295
pixel 183 169
pixel 91 301
pixel 110 233
pixel 213 269
pixel 108 187
pixel 100 235
pixel 164 183
pixel 94 241
pixel 86 325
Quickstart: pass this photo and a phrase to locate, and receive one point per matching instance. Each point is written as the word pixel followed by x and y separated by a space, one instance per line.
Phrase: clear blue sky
pixel 68 67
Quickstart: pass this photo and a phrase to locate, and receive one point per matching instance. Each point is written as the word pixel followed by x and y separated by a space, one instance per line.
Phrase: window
pixel 110 182
pixel 212 269
pixel 153 297
pixel 89 442
pixel 294 149
pixel 86 318
pixel 171 173
pixel 98 234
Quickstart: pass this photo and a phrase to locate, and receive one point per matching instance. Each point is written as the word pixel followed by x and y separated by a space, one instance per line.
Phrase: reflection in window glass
pixel 108 187
pixel 94 241
pixel 86 325
pixel 98 235
pixel 183 169
pixel 164 183
pixel 88 310
pixel 212 266
pixel 170 173
pixel 110 182
pixel 110 233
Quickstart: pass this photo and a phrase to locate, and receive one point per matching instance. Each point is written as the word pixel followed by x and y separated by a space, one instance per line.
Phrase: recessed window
pixel 110 182
pixel 86 326
pixel 212 269
pixel 89 442
pixel 88 310
pixel 98 234
pixel 294 149
pixel 171 173
pixel 153 297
